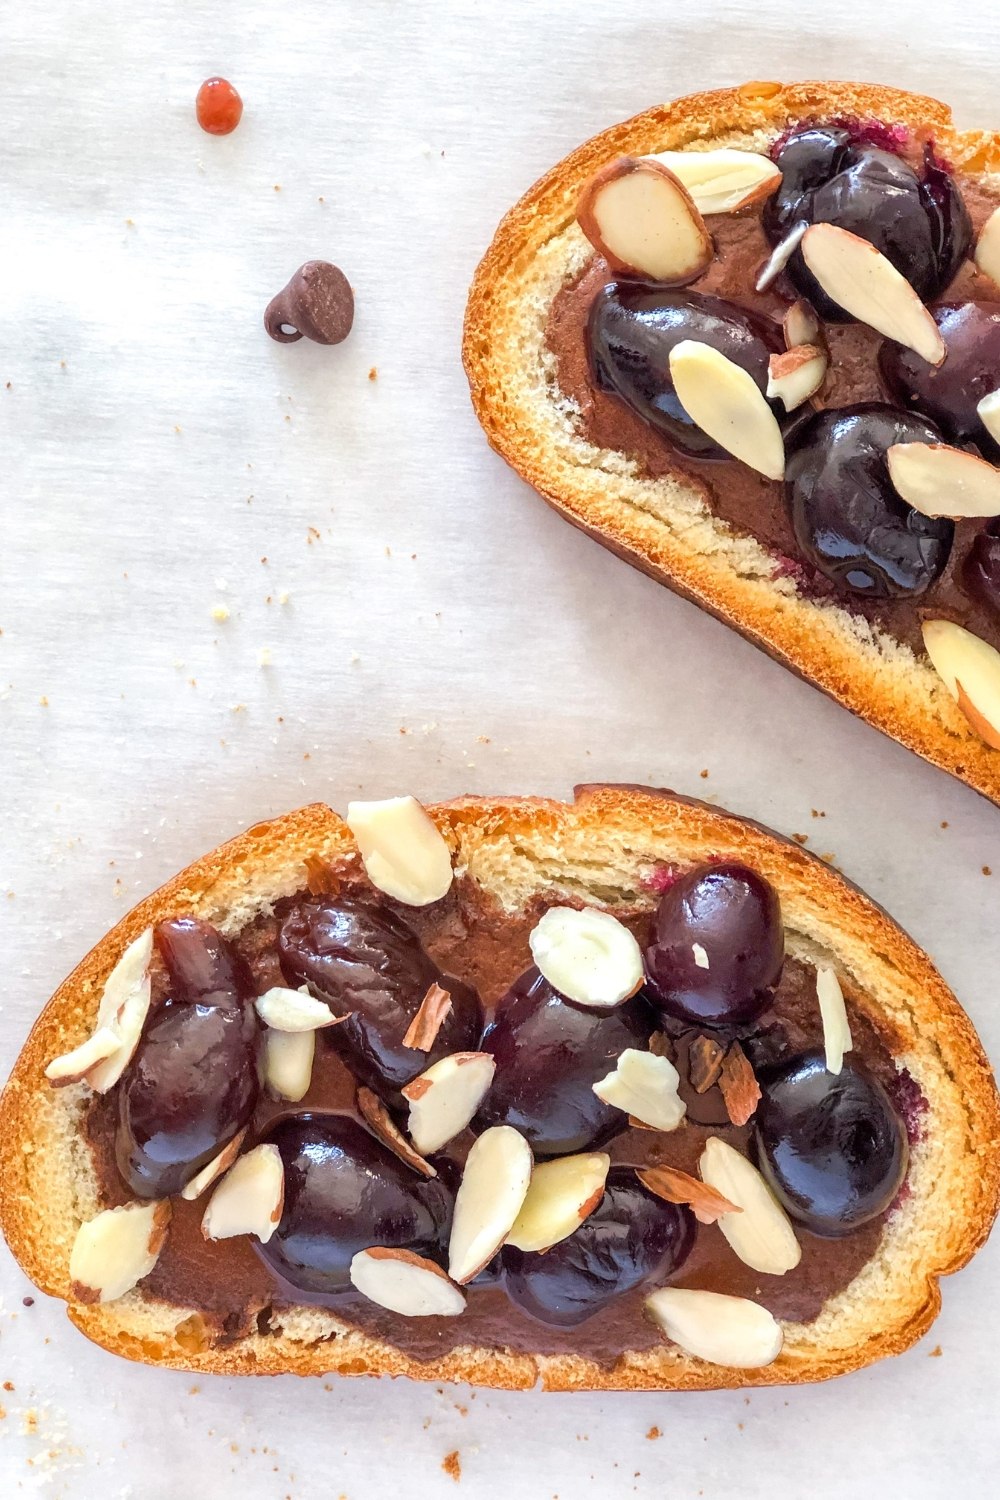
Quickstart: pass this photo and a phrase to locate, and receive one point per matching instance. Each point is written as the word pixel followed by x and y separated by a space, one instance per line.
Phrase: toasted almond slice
pixel 970 670
pixel 800 325
pixel 723 1330
pixel 726 403
pixel 588 956
pixel 74 1066
pixel 406 1284
pixel 762 1235
pixel 941 481
pixel 381 1124
pixel 116 1249
pixel 249 1199
pixel 489 1198
pixel 293 1010
pixel 740 1089
pixel 862 281
pixel 123 1008
pixel 641 218
pixel 837 1037
pixel 422 1031
pixel 796 375
pixel 445 1096
pixel 288 1063
pixel 402 850
pixel 989 414
pixel 781 255
pixel 987 251
pixel 215 1168
pixel 675 1186
pixel 561 1194
pixel 645 1086
pixel 724 180
pixel 705 1058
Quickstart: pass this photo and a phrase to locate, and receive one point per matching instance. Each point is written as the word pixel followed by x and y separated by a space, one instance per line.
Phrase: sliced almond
pixel 675 1186
pixel 837 1037
pixel 445 1096
pixel 970 670
pixel 561 1194
pixel 423 1030
pixel 249 1199
pixel 382 1125
pixel 740 1089
pixel 862 281
pixel 641 218
pixel 727 404
pixel 645 1086
pixel 796 375
pixel 116 1249
pixel 403 852
pixel 123 1009
pixel 406 1284
pixel 723 1330
pixel 488 1201
pixel 705 1057
pixel 293 1010
pixel 762 1235
pixel 989 414
pixel 288 1063
pixel 321 878
pixel 588 956
pixel 74 1066
pixel 724 180
pixel 781 255
pixel 987 251
pixel 941 481
pixel 800 325
pixel 215 1168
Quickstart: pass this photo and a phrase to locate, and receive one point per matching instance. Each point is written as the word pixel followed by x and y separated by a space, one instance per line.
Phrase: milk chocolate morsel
pixel 316 304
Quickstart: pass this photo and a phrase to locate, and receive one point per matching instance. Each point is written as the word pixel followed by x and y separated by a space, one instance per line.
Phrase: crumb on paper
pixel 653 1434
pixel 220 612
pixel 452 1465
pixel 703 775
pixel 987 870
pixel 801 838
pixel 264 656
pixel 817 813
pixel 935 1353
pixel 944 822
pixel 44 702
pixel 312 535
pixel 373 373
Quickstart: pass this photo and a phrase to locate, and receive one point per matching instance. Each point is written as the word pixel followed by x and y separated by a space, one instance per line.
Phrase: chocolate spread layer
pixel 749 503
pixel 234 1292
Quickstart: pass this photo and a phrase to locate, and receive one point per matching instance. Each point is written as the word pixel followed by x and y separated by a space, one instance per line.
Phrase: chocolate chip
pixel 316 304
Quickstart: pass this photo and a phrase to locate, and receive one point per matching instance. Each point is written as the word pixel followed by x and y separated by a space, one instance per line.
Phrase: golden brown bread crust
pixel 889 687
pixel 605 844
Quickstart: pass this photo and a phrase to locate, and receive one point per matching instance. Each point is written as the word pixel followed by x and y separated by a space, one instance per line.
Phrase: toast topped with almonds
pixel 628 1093
pixel 750 341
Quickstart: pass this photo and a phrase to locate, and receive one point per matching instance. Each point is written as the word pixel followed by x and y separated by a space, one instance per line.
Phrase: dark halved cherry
pixel 717 946
pixel 634 325
pixel 831 1146
pixel 631 1238
pixel 193 1081
pixel 949 394
pixel 848 519
pixel 549 1054
pixel 981 569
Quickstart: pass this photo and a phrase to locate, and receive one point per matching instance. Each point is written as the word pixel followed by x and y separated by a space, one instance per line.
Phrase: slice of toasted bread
pixel 604 847
pixel 664 526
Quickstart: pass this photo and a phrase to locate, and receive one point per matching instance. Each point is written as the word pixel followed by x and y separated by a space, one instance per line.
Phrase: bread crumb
pixel 373 373
pixel 801 838
pixel 987 870
pixel 703 775
pixel 935 1353
pixel 452 1466
pixel 220 612
pixel 653 1434
pixel 264 656
pixel 944 823
pixel 817 814
pixel 44 702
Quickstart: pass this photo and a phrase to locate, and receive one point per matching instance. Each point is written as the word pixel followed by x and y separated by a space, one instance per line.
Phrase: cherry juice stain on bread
pixel 624 1093
pixel 751 342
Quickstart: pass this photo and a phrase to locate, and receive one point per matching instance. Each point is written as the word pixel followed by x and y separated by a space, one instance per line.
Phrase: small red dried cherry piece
pixel 218 106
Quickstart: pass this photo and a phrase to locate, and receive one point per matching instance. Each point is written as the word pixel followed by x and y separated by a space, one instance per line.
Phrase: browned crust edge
pixel 777 624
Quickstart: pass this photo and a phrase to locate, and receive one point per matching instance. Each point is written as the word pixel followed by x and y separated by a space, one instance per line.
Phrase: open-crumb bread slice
pixel 663 525
pixel 605 848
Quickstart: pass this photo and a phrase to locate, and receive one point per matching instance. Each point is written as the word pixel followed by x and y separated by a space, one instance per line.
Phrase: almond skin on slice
pixel 796 375
pixel 434 1008
pixel 862 281
pixel 727 404
pixel 293 1010
pixel 288 1063
pixel 406 1283
pixel 444 1098
pixel 837 1037
pixel 249 1199
pixel 640 217
pixel 588 956
pixel 489 1199
pixel 941 481
pixel 646 1087
pixel 970 670
pixel 987 251
pixel 116 1249
pixel 989 414
pixel 675 1186
pixel 705 1058
pixel 762 1235
pixel 74 1066
pixel 402 850
pixel 723 1330
pixel 561 1194
pixel 215 1168
pixel 780 256
pixel 740 1089
pixel 123 1008
pixel 724 180
pixel 800 325
pixel 381 1124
